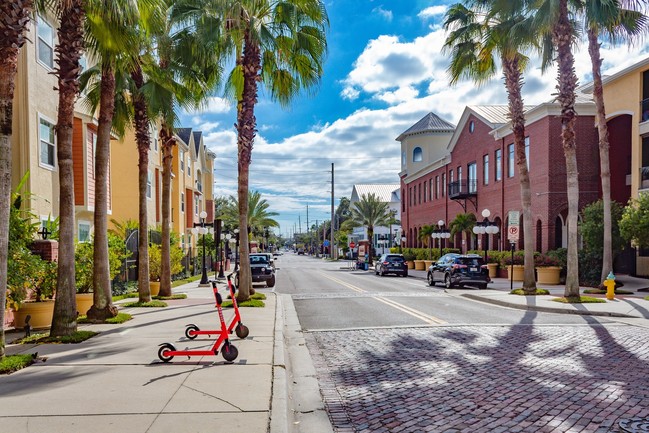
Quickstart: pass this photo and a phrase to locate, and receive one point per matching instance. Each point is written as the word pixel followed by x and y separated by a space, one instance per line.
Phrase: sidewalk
pixel 115 381
pixel 633 306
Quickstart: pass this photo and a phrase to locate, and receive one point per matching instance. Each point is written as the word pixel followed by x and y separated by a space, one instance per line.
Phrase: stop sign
pixel 352 245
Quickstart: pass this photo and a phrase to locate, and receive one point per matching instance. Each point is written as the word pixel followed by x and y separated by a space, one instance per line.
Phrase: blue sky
pixel 384 71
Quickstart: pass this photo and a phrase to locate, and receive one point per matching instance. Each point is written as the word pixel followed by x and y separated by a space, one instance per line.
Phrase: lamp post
pixel 444 233
pixel 402 239
pixel 485 227
pixel 221 256
pixel 202 229
pixel 236 250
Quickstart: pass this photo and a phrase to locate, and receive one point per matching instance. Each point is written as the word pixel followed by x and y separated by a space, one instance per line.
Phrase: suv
pixel 391 264
pixel 262 269
pixel 459 270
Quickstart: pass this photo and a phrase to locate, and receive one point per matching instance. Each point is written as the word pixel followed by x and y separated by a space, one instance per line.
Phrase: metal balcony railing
pixel 462 188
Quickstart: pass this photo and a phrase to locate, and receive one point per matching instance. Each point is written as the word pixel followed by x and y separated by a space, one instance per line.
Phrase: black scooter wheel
pixel 229 352
pixel 163 352
pixel 189 330
pixel 242 331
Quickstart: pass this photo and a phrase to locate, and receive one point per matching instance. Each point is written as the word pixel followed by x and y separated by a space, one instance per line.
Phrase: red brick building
pixel 476 170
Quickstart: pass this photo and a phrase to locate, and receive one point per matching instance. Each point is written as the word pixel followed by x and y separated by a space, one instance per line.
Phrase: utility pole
pixel 331 241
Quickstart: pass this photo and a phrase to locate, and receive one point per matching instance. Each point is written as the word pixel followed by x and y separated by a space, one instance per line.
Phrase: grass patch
pixel 646 298
pixel 258 295
pixel 580 300
pixel 125 296
pixel 185 281
pixel 603 292
pixel 154 304
pixel 11 363
pixel 174 296
pixel 76 337
pixel 249 303
pixel 120 318
pixel 522 292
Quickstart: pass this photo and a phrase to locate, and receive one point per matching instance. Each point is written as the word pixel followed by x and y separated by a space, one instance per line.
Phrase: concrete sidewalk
pixel 115 381
pixel 632 306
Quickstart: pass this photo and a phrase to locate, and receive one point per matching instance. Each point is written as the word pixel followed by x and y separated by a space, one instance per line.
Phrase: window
pixel 403 159
pixel 182 160
pixel 414 193
pixel 47 142
pixel 45 45
pixel 403 200
pixel 182 202
pixel 83 233
pixel 450 176
pixel 417 155
pixel 430 189
pixel 510 160
pixel 471 126
pixel 499 165
pixel 485 169
pixel 436 186
pixel 189 165
pixel 527 152
pixel 153 132
pixel 419 201
pixel 472 174
pixel 443 184
pixel 459 174
pixel 425 190
pixel 149 181
pixel 196 205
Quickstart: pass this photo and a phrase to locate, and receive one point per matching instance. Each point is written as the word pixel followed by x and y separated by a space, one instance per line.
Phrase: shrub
pixel 83 261
pixel 590 268
pixel 519 258
pixel 544 260
pixel 155 261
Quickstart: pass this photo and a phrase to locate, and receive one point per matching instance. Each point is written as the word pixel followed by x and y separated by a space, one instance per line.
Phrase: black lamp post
pixel 202 229
pixel 485 227
pixel 442 233
pixel 236 250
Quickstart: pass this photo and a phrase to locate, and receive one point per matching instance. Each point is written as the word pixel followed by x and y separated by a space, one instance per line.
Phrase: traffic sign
pixel 512 234
pixel 352 245
pixel 513 227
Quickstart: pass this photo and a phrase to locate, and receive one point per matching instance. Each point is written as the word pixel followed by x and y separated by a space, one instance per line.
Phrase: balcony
pixel 644 117
pixel 462 189
pixel 644 178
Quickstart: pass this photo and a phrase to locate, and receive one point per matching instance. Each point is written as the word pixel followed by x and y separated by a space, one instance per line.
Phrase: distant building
pixel 384 237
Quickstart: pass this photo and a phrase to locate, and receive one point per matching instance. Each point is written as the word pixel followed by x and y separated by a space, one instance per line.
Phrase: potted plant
pixel 409 257
pixel 493 261
pixel 419 259
pixel 548 269
pixel 515 267
pixel 155 269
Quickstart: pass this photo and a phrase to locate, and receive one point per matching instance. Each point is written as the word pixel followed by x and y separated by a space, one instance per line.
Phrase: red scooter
pixel 167 351
pixel 192 331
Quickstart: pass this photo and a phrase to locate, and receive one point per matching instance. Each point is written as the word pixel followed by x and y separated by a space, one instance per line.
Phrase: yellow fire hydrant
pixel 609 282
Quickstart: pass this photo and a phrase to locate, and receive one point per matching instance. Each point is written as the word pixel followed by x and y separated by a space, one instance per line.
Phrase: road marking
pixel 403 308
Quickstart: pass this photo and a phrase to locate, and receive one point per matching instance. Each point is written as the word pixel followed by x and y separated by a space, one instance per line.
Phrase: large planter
pixel 420 265
pixel 548 275
pixel 427 264
pixel 84 302
pixel 493 269
pixel 411 264
pixel 517 274
pixel 154 287
pixel 41 313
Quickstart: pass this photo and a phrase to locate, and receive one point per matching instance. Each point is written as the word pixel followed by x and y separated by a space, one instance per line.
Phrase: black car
pixel 459 270
pixel 262 269
pixel 391 264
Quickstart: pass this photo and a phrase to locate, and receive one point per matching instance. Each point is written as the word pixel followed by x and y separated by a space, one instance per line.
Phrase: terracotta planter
pixel 154 287
pixel 493 269
pixel 84 302
pixel 427 264
pixel 41 313
pixel 548 275
pixel 419 265
pixel 411 264
pixel 518 272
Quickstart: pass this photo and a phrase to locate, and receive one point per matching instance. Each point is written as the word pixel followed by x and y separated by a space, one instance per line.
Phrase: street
pixel 394 355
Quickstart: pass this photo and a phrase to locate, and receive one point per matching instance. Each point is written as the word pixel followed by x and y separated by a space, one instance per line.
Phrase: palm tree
pixel 14 19
pixel 279 44
pixel 463 223
pixel 482 30
pixel 370 212
pixel 614 22
pixel 71 15
pixel 425 235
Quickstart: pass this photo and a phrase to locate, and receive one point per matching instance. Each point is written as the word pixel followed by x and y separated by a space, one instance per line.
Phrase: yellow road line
pixel 403 308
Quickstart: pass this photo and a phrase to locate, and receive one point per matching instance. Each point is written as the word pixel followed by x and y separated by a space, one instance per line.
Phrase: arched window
pixel 417 155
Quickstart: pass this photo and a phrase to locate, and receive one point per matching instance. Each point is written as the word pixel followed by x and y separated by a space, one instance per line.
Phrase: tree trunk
pixel 14 18
pixel 604 163
pixel 567 83
pixel 69 49
pixel 246 131
pixel 168 142
pixel 513 83
pixel 143 140
pixel 102 307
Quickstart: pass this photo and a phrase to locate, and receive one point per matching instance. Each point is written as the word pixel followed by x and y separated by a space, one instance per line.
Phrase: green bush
pixel 590 268
pixel 155 261
pixel 83 261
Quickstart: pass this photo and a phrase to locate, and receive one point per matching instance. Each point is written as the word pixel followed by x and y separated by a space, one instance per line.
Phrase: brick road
pixel 521 378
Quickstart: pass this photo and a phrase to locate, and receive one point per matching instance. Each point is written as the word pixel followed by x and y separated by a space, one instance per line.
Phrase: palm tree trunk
pixel 567 83
pixel 14 18
pixel 103 307
pixel 168 142
pixel 246 129
pixel 69 49
pixel 604 163
pixel 143 140
pixel 513 83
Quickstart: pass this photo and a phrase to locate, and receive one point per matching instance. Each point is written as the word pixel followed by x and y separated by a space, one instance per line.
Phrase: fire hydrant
pixel 609 282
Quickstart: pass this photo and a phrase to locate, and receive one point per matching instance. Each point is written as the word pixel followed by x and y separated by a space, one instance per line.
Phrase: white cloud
pixel 432 11
pixel 386 14
pixel 214 104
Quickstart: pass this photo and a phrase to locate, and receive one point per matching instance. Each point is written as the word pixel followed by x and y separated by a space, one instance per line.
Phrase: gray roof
pixel 384 192
pixel 494 114
pixel 184 134
pixel 431 122
pixel 197 141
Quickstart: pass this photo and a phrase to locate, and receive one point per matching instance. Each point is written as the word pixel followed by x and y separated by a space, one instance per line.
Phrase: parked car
pixel 300 251
pixel 262 269
pixel 391 264
pixel 459 270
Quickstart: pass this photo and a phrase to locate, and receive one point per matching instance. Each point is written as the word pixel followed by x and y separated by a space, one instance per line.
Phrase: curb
pixel 279 386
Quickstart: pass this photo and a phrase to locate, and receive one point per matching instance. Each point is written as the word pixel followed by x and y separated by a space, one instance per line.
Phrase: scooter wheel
pixel 190 332
pixel 229 352
pixel 163 352
pixel 242 331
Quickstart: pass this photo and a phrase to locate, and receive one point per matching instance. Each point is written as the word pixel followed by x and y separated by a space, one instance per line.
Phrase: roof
pixel 197 141
pixel 431 122
pixel 184 134
pixel 492 114
pixel 384 192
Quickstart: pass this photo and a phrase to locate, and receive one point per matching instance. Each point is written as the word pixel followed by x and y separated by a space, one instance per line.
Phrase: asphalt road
pixel 394 355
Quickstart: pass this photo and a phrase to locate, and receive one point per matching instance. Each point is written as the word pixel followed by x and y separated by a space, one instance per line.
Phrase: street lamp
pixel 485 227
pixel 403 239
pixel 236 251
pixel 221 255
pixel 201 228
pixel 444 233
